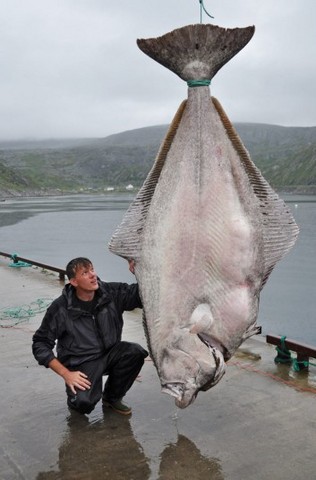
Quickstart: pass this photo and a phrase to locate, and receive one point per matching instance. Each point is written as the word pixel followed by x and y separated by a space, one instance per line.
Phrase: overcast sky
pixel 71 68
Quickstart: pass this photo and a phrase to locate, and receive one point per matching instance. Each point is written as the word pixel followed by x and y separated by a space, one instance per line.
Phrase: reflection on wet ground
pixel 108 449
pixel 103 449
pixel 183 460
pixel 91 450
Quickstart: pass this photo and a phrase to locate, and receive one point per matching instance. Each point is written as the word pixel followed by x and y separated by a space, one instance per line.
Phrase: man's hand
pixel 131 266
pixel 76 380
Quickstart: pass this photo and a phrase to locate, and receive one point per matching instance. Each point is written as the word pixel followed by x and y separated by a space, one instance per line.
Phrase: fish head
pixel 182 375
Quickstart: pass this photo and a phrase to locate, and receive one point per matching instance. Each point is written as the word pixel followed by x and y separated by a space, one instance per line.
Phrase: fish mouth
pixel 213 343
pixel 185 393
pixel 175 389
pixel 219 369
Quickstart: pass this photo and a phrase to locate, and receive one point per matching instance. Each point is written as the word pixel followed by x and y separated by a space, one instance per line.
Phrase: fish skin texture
pixel 205 231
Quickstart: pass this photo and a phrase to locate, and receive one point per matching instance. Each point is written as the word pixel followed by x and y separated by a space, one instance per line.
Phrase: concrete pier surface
pixel 258 423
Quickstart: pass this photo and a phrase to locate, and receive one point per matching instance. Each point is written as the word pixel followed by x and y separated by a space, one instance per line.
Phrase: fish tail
pixel 196 52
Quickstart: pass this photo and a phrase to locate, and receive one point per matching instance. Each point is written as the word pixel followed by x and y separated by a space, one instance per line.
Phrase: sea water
pixel 52 230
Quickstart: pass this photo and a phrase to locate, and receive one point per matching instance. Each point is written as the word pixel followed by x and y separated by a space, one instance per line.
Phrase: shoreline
pixel 300 191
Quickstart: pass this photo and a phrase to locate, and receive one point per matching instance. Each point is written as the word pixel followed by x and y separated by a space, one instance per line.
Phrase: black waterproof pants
pixel 122 363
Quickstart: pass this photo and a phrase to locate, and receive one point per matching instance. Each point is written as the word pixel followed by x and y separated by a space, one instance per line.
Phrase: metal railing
pixel 303 351
pixel 16 258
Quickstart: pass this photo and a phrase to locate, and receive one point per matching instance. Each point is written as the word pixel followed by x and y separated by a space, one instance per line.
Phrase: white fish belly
pixel 202 241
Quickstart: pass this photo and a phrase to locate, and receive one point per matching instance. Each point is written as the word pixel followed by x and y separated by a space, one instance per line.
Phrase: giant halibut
pixel 206 229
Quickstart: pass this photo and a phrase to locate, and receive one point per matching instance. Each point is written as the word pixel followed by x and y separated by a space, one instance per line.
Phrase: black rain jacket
pixel 58 323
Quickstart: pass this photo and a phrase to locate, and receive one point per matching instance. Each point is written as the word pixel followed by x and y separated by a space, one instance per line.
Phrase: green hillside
pixel 285 155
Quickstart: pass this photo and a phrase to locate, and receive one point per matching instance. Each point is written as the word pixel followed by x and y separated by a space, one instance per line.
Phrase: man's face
pixel 85 279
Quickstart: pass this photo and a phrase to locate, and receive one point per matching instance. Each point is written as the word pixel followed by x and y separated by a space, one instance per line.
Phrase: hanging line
pixel 198 83
pixel 201 10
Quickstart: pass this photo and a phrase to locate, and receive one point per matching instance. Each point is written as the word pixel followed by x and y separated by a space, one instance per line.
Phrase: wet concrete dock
pixel 258 423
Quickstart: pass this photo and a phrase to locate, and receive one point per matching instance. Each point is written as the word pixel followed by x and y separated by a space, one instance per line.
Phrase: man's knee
pixel 81 405
pixel 136 351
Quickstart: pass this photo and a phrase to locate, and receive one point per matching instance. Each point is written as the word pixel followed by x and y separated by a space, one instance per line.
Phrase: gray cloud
pixel 71 68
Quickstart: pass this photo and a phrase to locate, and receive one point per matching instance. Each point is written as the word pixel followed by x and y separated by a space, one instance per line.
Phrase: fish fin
pixel 196 52
pixel 279 228
pixel 126 240
pixel 201 319
pixel 252 330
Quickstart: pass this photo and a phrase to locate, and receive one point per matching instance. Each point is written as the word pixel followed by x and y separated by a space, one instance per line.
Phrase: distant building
pixel 129 187
pixel 110 189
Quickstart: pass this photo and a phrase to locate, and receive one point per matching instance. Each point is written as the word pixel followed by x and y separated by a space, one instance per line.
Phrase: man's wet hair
pixel 76 263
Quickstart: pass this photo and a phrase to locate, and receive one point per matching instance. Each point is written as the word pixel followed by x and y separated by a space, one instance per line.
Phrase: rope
pixel 284 356
pixel 302 363
pixel 11 316
pixel 198 83
pixel 201 10
pixel 18 263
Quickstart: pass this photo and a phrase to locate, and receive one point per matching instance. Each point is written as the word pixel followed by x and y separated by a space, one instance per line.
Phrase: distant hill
pixel 285 155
